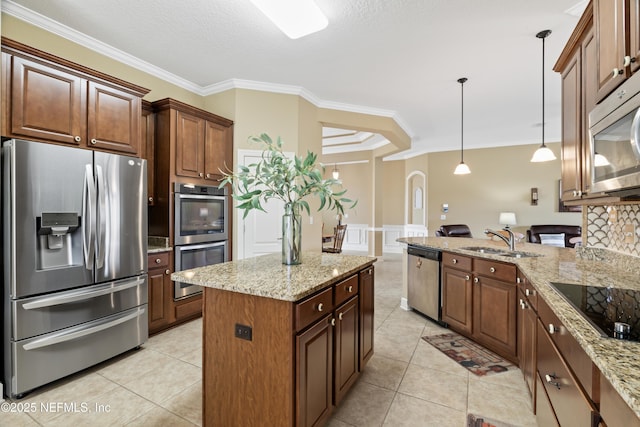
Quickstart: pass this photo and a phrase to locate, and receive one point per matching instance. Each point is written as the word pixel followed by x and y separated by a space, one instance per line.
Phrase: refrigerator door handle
pixel 89 217
pixel 68 336
pixel 81 295
pixel 101 218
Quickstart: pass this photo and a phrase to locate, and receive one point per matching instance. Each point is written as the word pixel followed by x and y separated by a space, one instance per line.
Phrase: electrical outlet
pixel 243 331
pixel 629 233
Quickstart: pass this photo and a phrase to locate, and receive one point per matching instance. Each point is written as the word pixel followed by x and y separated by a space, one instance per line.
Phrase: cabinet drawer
pixel 158 260
pixel 495 269
pixel 575 356
pixel 313 308
pixel 345 290
pixel 460 262
pixel 571 406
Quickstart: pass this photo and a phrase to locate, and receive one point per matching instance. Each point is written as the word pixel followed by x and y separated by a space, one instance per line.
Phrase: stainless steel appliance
pixel 614 128
pixel 614 312
pixel 201 230
pixel 74 260
pixel 200 214
pixel 423 281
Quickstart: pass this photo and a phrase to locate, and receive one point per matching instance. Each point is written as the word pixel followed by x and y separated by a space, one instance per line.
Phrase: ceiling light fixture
pixel 295 18
pixel 600 160
pixel 462 168
pixel 543 153
pixel 335 173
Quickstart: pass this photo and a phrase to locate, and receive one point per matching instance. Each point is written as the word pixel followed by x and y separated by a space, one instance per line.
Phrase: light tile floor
pixel 406 383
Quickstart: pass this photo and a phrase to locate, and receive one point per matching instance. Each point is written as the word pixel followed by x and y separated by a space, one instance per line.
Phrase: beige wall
pixel 500 180
pixel 393 188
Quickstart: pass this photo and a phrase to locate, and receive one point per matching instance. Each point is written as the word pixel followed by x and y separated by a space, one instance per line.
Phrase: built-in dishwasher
pixel 423 281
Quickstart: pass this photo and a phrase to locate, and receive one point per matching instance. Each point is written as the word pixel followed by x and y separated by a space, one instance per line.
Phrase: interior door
pixel 260 232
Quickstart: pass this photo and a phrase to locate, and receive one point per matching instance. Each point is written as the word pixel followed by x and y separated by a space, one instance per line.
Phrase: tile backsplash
pixel 615 227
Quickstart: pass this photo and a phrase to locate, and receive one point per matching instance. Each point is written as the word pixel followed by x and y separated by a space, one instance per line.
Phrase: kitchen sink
pixel 500 252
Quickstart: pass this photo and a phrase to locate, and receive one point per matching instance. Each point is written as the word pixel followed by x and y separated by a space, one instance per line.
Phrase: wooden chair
pixel 338 237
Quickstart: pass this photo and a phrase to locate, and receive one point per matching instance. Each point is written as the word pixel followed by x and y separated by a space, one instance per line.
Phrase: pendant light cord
pixel 462 81
pixel 543 35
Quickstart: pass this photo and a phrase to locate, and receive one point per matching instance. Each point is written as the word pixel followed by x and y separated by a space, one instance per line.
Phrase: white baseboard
pixel 404 304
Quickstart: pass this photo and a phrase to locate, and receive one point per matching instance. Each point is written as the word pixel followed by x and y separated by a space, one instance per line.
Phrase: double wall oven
pixel 201 230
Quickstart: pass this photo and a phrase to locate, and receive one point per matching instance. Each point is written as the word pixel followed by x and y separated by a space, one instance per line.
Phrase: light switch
pixel 443 217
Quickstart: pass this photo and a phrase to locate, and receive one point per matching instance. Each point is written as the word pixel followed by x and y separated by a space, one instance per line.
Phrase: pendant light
pixel 543 153
pixel 462 168
pixel 335 173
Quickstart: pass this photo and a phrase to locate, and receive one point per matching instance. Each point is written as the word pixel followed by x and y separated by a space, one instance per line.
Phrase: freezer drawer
pixel 52 312
pixel 41 360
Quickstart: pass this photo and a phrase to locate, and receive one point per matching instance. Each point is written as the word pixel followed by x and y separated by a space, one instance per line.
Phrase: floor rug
pixel 480 421
pixel 468 354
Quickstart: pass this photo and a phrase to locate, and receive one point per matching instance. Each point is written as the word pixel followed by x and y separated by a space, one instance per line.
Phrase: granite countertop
pixel 158 244
pixel 266 276
pixel 619 361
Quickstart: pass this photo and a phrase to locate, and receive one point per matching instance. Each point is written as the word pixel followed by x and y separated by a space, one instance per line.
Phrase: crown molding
pixel 20 12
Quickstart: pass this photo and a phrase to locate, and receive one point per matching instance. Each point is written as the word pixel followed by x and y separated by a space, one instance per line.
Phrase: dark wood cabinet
pixel 160 290
pixel 54 100
pixel 314 374
pixel 347 337
pixel 147 140
pixel 479 301
pixel 527 342
pixel 613 409
pixel 609 18
pixel 367 303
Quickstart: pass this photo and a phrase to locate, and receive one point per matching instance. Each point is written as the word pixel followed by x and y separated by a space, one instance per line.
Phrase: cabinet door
pixel 160 295
pixel 147 150
pixel 113 119
pixel 367 300
pixel 494 319
pixel 217 150
pixel 571 130
pixel 457 299
pixel 527 343
pixel 314 374
pixel 634 34
pixel 610 36
pixel 346 348
pixel 47 103
pixel 189 145
pixel 589 89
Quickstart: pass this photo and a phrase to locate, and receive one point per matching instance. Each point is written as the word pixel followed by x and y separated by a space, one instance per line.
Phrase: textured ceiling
pixel 398 58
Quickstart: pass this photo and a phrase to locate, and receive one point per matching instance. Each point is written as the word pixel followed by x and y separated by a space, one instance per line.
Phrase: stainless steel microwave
pixel 614 131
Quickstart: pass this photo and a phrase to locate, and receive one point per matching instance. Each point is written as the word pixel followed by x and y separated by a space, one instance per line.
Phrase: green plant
pixel 290 180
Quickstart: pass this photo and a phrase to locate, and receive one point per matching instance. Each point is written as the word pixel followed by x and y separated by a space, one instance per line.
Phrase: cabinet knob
pixel 467 277
pixel 333 322
pixel 93 141
pixel 320 307
pixel 529 292
pixel 476 280
pixel 350 289
pixel 167 271
pixel 523 305
pixel 77 139
pixel 492 269
pixel 340 316
pixel 628 60
pixel 454 261
pixel 518 280
pixel 550 380
pixel 158 260
pixel 616 72
pixel 370 271
pixel 150 199
pixel 201 174
pixel 552 329
pixel 208 175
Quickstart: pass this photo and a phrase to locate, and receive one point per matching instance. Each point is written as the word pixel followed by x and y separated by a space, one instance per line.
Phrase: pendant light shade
pixel 543 153
pixel 335 173
pixel 462 168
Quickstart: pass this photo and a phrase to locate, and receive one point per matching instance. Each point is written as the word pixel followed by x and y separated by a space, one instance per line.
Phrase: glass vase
pixel 291 235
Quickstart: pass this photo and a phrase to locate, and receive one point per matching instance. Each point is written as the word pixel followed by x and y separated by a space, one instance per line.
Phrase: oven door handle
pixel 200 196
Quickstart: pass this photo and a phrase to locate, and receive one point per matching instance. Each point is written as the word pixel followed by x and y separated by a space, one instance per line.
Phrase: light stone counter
pixel 619 361
pixel 266 276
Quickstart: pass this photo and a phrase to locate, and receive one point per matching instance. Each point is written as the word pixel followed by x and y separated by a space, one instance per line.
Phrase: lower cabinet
pixel 346 366
pixel 479 301
pixel 527 343
pixel 160 291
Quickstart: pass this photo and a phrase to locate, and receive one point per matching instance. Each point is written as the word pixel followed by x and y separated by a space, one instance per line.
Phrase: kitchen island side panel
pixel 247 383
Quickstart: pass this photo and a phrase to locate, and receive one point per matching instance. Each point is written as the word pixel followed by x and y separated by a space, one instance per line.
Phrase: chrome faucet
pixel 510 241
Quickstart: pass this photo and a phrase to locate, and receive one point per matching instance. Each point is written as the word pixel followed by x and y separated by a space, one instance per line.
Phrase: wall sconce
pixel 534 196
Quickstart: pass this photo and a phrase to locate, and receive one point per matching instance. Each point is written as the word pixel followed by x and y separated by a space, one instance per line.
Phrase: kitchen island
pixel 618 361
pixel 282 344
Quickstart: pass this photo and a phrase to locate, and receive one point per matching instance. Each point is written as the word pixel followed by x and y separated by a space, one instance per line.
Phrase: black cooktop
pixel 614 312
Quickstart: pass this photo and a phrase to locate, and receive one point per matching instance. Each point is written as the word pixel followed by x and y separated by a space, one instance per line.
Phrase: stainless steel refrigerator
pixel 74 260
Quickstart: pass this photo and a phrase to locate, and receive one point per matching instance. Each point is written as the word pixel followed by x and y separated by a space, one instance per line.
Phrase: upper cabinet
pixel 618 42
pixel 49 99
pixel 196 144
